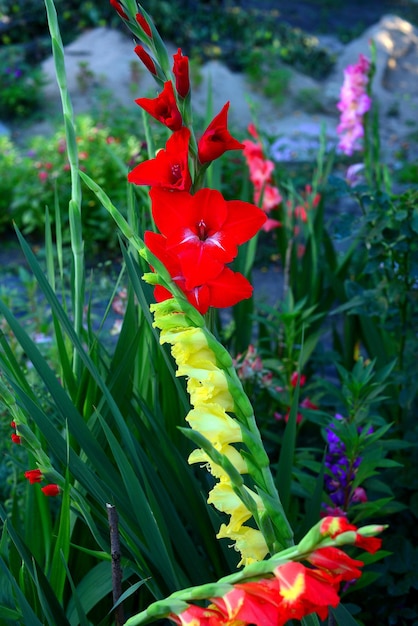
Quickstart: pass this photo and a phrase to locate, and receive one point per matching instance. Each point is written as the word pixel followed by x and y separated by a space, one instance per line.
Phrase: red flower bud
pixel 294 379
pixel 146 59
pixel 50 490
pixel 143 24
pixel 181 73
pixel 16 438
pixel 117 6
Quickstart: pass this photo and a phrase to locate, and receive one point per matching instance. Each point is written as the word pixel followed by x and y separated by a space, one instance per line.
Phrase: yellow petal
pixel 213 388
pixel 215 424
pixel 224 498
pixel 199 456
pixel 248 541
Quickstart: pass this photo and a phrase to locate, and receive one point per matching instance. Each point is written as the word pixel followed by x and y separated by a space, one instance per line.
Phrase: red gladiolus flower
pixel 181 73
pixel 146 59
pixel 216 139
pixel 51 490
pixel 334 526
pixel 143 24
pixel 225 290
pixel 304 591
pixel 164 107
pixel 196 615
pixel 256 602
pixel 203 230
pixel 337 562
pixel 117 6
pixel 34 476
pixel 170 168
pixel 16 438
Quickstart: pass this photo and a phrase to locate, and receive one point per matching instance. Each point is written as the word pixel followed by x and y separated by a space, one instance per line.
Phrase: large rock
pixel 100 58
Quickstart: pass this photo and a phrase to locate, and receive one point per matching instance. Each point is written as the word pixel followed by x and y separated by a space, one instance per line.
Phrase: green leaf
pixel 342 616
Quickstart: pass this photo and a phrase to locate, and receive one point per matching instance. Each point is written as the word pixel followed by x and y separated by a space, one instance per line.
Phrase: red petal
pixel 229 288
pixel 171 211
pixel 244 221
pixel 198 264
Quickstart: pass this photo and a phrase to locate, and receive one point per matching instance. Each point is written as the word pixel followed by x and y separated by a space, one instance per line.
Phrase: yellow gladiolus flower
pixel 224 498
pixel 248 541
pixel 214 423
pixel 213 389
pixel 199 456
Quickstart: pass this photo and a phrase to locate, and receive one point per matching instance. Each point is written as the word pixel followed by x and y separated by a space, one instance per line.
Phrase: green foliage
pixel 20 85
pixel 42 172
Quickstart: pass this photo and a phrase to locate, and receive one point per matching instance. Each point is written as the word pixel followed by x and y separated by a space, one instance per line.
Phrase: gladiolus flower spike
pixel 273 591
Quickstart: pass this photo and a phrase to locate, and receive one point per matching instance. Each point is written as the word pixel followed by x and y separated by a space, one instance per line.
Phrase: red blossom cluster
pixel 306 403
pixel 199 231
pixel 266 194
pixel 35 475
pixel 294 591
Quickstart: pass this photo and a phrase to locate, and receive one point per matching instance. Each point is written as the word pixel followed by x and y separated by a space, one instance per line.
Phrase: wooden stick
pixel 112 517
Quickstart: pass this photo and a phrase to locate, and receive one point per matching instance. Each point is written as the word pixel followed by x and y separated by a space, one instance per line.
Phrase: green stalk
pixel 74 209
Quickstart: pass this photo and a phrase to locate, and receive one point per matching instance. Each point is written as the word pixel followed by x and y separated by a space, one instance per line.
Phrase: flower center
pixel 201 231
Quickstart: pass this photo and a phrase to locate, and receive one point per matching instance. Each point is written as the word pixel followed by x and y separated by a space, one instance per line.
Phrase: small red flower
pixel 146 59
pixel 164 107
pixel 181 73
pixel 217 139
pixel 51 490
pixel 204 230
pixel 117 6
pixel 170 168
pixel 13 424
pixel 294 379
pixel 16 438
pixel 143 24
pixel 34 476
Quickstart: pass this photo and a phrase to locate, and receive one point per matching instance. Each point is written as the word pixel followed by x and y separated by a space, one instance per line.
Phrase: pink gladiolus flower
pixel 354 103
pixel 266 195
